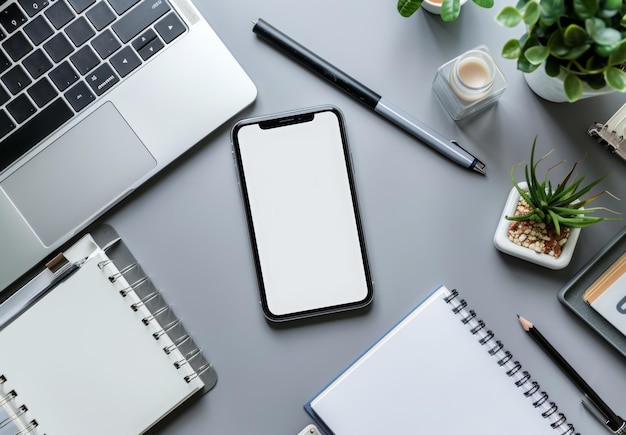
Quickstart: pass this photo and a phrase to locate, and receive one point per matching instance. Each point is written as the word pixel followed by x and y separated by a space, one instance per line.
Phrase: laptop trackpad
pixel 79 174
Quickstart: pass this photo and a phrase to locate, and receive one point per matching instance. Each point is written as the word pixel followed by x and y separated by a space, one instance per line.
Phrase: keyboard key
pixel 100 15
pixel 79 96
pixel 143 39
pixel 6 124
pixel 122 6
pixel 59 14
pixel 5 63
pixel 17 46
pixel 38 30
pixel 135 21
pixel 106 44
pixel 79 31
pixel 125 61
pixel 81 5
pixel 151 48
pixel 12 18
pixel 33 131
pixel 42 92
pixel 102 79
pixel 85 60
pixel 21 108
pixel 4 96
pixel 37 63
pixel 32 7
pixel 16 80
pixel 58 47
pixel 170 27
pixel 63 76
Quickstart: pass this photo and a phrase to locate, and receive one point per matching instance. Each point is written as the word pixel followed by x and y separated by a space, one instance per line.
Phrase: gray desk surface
pixel 427 221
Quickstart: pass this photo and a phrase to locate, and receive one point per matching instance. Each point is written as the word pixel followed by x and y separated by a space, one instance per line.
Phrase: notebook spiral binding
pixel 132 282
pixel 12 411
pixel 521 378
pixel 127 275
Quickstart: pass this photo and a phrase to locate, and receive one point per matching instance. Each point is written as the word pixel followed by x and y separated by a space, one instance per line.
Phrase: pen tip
pixel 479 167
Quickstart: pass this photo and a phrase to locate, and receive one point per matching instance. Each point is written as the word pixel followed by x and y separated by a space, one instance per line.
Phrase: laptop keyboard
pixel 57 57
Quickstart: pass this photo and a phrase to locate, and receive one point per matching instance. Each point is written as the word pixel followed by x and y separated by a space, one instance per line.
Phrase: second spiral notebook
pixel 101 353
pixel 440 370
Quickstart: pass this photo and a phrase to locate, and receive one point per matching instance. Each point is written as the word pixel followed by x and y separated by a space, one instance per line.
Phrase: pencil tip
pixel 525 323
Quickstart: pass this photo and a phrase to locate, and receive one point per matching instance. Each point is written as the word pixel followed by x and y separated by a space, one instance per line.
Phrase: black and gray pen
pixel 378 104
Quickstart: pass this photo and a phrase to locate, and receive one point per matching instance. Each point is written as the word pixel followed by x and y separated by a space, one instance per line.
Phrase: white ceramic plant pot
pixel 434 7
pixel 551 88
pixel 502 242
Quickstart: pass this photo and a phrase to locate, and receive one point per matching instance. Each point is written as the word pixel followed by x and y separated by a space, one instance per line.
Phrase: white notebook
pixel 440 370
pixel 94 356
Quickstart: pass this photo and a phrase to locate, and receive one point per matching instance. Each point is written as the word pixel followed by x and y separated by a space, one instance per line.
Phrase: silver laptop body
pixel 139 124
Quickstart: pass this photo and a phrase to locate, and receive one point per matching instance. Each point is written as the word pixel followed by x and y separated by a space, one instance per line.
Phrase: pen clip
pixel 595 410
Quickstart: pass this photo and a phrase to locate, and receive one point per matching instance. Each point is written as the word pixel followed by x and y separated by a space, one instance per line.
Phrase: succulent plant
pixel 561 206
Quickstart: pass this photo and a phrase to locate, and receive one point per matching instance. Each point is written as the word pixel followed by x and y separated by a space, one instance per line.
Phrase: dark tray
pixel 572 294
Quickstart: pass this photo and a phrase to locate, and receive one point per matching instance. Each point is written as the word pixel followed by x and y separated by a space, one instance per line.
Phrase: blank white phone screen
pixel 302 214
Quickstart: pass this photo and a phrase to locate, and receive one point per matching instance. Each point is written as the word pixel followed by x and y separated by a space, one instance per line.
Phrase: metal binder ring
pixel 453 294
pixel 497 348
pixel 146 320
pixel 121 273
pixel 561 421
pixel 8 397
pixel 198 372
pixel 516 367
pixel 469 317
pixel 551 410
pixel 143 301
pixel 29 428
pixel 525 378
pixel 533 389
pixel 505 359
pixel 102 264
pixel 133 286
pixel 462 304
pixel 187 358
pixel 168 327
pixel 541 399
pixel 178 342
pixel 570 430
pixel 478 327
pixel 487 338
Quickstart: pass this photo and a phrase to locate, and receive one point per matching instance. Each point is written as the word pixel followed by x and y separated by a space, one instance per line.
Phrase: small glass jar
pixel 469 83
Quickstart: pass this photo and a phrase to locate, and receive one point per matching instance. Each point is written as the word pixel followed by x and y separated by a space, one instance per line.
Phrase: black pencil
pixel 614 422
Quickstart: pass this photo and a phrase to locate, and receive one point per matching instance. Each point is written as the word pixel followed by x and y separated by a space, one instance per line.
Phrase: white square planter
pixel 502 242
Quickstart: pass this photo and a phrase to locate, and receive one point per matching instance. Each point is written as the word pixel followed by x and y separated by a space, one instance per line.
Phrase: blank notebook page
pixel 83 362
pixel 429 376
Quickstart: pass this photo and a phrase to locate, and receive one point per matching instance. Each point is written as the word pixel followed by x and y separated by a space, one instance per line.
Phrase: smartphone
pixel 296 181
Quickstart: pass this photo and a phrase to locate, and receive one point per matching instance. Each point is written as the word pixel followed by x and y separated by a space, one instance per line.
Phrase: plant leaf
pixel 574 35
pixel 484 3
pixel 573 87
pixel 557 45
pixel 511 49
pixel 585 8
pixel 532 12
pixel 450 10
pixel 615 78
pixel 408 7
pixel 553 67
pixel 618 56
pixel 551 11
pixel 537 54
pixel 509 17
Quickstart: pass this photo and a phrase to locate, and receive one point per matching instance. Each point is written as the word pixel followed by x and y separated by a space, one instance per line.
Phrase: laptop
pixel 96 96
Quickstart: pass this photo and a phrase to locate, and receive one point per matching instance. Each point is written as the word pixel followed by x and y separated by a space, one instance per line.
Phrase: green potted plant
pixel 580 46
pixel 448 9
pixel 541 223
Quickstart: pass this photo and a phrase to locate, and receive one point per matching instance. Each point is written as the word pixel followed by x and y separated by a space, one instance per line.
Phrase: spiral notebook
pixel 101 353
pixel 440 370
